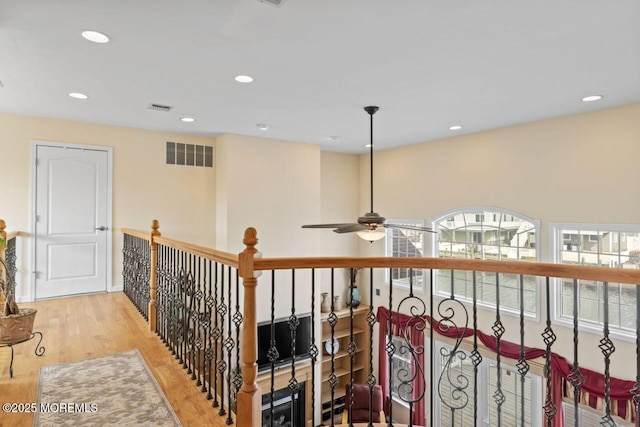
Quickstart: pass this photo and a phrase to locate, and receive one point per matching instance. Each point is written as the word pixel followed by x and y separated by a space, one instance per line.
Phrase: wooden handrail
pixel 208 253
pixel 13 235
pixel 601 274
pixel 141 234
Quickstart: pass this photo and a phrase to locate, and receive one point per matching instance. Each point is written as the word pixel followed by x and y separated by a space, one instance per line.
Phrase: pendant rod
pixel 371 111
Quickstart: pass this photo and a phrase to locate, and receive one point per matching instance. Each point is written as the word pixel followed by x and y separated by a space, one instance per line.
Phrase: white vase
pixel 325 307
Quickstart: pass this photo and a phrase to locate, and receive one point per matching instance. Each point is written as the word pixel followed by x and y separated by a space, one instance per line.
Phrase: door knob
pixel 101 228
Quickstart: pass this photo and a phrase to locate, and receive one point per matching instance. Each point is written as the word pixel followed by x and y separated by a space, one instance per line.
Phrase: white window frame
pixel 405 360
pixel 419 286
pixel 557 246
pixel 484 210
pixel 485 398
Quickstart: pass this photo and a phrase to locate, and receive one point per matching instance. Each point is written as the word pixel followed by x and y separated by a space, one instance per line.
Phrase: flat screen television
pixel 282 334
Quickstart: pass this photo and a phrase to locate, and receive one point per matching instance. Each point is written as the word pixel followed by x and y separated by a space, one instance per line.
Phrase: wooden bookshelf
pixel 341 360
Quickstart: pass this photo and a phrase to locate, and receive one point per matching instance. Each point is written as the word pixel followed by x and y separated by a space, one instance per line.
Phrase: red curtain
pixel 592 389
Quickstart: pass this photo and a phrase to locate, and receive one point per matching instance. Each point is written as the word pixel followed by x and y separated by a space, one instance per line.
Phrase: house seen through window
pixel 455 384
pixel 602 246
pixel 406 243
pixel 490 234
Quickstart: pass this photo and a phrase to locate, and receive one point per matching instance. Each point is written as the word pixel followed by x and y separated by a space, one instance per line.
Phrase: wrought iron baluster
pixel 407 379
pixel 216 336
pixel 200 319
pixel 351 349
pixel 522 365
pixel 456 384
pixel 313 349
pixel 175 306
pixel 208 337
pixel 390 347
pixel 229 345
pixel 607 348
pixel 146 277
pixel 476 357
pixel 126 245
pixel 189 316
pixel 371 320
pixel 198 360
pixel 432 351
pixel 175 299
pixel 293 328
pixel 161 294
pixel 412 350
pixel 332 320
pixel 549 337
pixel 184 312
pixel 273 353
pixel 498 331
pixel 237 320
pixel 222 365
pixel 575 377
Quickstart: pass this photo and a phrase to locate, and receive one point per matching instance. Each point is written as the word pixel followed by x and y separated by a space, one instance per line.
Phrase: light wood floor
pixel 83 327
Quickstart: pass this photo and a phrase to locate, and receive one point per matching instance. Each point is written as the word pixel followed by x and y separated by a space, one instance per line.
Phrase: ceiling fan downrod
pixel 371 110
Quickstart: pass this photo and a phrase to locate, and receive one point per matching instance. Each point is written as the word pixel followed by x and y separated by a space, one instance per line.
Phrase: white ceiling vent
pixel 160 107
pixel 276 3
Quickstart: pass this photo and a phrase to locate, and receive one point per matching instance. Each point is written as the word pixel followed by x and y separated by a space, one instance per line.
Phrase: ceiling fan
pixel 371 225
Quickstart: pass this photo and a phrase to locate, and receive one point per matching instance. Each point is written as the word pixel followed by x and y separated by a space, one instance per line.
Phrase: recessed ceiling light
pixel 78 95
pixel 263 126
pixel 334 138
pixel 455 127
pixel 95 36
pixel 244 79
pixel 188 119
pixel 592 98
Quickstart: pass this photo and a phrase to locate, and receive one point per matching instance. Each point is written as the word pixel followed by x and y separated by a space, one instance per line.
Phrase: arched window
pixel 487 233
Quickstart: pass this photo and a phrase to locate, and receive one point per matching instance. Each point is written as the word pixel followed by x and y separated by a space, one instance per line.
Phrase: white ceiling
pixel 428 64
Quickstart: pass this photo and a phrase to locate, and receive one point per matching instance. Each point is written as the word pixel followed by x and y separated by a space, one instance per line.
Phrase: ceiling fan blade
pixel 327 225
pixel 409 227
pixel 350 228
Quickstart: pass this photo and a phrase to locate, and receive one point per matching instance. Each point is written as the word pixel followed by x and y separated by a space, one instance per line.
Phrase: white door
pixel 70 221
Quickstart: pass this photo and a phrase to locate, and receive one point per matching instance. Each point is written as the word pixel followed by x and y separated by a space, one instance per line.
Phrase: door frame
pixel 32 210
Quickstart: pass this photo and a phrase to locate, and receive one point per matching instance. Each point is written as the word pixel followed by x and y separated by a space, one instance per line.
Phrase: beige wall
pixel 144 188
pixel 582 168
pixel 273 186
pixel 340 203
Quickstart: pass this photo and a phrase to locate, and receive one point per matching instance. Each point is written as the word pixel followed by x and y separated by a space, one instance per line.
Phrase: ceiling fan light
pixel 371 235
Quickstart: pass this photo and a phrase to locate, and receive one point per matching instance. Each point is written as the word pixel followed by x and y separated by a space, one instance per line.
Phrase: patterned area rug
pixel 115 390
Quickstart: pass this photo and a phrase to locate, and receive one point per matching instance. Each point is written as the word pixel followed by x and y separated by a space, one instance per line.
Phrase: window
pixel 586 416
pixel 499 235
pixel 461 371
pixel 400 363
pixel 604 246
pixel 406 243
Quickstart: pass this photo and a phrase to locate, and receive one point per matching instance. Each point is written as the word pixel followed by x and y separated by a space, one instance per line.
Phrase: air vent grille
pixel 276 3
pixel 189 154
pixel 160 107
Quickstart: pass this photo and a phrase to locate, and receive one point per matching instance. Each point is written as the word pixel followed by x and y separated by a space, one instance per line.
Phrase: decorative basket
pixel 16 328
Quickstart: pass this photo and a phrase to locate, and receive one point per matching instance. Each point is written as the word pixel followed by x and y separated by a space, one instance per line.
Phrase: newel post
pixel 249 399
pixel 153 262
